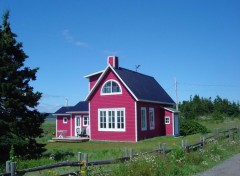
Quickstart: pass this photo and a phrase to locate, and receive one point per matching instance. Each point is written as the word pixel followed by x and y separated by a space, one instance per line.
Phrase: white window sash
pixel 167 120
pixel 112 123
pixel 143 119
pixel 151 118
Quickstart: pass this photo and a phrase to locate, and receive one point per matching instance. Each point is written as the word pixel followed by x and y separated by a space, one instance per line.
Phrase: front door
pixel 78 125
pixel 176 125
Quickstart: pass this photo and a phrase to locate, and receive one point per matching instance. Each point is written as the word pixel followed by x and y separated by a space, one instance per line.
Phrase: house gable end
pixel 101 78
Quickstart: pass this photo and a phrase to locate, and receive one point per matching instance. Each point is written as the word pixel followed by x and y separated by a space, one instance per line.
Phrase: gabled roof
pixel 82 106
pixel 142 87
pixel 63 110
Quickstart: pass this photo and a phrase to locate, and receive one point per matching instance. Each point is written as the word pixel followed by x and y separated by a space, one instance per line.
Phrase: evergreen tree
pixel 20 121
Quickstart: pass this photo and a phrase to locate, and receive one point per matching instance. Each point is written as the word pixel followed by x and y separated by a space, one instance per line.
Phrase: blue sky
pixel 196 41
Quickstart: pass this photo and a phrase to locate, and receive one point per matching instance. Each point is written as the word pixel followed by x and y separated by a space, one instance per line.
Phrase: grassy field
pixel 109 150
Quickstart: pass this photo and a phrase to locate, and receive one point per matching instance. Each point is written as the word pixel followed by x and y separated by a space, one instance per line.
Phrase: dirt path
pixel 229 167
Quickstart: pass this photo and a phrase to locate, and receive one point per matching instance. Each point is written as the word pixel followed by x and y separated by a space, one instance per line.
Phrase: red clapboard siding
pixel 169 127
pixel 63 126
pixel 159 127
pixel 124 100
pixel 93 79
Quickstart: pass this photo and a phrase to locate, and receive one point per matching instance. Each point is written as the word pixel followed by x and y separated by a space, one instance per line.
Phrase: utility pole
pixel 176 91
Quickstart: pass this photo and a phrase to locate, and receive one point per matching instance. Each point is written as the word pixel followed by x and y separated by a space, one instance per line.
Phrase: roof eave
pixel 93 74
pixel 75 112
pixel 172 110
pixel 159 102
pixel 61 114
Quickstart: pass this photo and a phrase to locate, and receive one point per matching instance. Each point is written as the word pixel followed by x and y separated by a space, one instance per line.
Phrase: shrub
pixel 188 127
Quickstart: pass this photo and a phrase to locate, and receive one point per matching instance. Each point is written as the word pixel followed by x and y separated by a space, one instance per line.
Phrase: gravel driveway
pixel 229 167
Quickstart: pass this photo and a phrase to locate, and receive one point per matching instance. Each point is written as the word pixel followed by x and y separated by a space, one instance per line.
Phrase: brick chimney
pixel 113 61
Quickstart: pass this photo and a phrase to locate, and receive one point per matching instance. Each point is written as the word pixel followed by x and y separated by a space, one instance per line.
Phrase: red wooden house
pixel 124 105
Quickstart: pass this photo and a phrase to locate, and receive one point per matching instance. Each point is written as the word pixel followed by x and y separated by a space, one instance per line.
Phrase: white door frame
pixel 78 124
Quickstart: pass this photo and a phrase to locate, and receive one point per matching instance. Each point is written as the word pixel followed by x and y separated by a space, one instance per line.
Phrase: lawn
pixel 106 150
pixel 109 150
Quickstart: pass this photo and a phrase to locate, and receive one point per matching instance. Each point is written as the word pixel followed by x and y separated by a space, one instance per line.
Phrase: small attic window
pixel 111 87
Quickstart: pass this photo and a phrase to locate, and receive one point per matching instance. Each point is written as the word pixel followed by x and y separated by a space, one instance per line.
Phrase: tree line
pixel 217 108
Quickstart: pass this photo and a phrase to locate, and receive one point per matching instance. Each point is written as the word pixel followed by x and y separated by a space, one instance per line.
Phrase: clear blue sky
pixel 196 41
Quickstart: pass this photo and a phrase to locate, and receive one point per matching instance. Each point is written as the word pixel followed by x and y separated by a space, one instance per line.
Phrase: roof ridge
pixel 135 72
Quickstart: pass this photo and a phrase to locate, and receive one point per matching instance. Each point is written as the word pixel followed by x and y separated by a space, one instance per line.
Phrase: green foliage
pixel 188 127
pixel 217 108
pixel 12 154
pixel 19 121
pixel 59 155
pixel 178 162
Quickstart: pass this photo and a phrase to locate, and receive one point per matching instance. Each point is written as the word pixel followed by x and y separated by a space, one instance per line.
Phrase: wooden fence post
pixel 164 147
pixel 159 147
pixel 8 167
pixel 13 167
pixel 183 144
pixel 79 156
pixel 203 142
pixel 215 133
pixel 131 153
pixel 228 134
pixel 238 132
pixel 85 159
pixel 187 146
pixel 126 152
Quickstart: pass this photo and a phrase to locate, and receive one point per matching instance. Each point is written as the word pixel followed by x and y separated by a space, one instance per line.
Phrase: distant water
pixel 50 119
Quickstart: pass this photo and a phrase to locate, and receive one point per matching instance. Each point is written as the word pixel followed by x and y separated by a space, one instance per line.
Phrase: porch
pixel 70 139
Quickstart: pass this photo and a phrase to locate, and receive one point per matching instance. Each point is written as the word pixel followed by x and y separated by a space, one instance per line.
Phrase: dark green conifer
pixel 20 121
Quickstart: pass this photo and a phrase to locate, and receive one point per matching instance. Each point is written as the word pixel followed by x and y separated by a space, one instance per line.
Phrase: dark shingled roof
pixel 63 110
pixel 144 87
pixel 81 106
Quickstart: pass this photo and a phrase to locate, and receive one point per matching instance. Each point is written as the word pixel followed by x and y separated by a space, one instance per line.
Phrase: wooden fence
pixel 129 154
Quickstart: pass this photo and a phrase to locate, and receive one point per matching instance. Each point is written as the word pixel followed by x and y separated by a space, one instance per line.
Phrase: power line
pixel 208 85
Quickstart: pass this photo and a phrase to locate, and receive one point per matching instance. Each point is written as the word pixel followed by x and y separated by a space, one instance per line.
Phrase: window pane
pixel 115 87
pixel 107 87
pixel 143 119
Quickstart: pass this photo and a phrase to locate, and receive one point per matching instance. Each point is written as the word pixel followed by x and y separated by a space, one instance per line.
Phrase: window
pixel 78 122
pixel 167 120
pixel 65 120
pixel 151 118
pixel 111 87
pixel 85 120
pixel 111 119
pixel 143 119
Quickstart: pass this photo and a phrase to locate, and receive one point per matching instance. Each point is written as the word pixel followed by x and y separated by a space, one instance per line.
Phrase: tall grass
pixel 109 150
pixel 178 162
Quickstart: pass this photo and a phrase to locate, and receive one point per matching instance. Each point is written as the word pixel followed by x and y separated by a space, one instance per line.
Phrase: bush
pixel 188 127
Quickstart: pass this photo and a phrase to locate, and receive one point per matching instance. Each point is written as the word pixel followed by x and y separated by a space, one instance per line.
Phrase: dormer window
pixel 111 87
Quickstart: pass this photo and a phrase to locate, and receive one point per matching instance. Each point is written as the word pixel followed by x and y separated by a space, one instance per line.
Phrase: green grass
pixel 222 125
pixel 109 150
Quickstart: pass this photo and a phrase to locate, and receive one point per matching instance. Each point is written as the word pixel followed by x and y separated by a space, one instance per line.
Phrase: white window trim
pixel 145 128
pixel 153 112
pixel 107 120
pixel 167 117
pixel 114 93
pixel 65 120
pixel 87 121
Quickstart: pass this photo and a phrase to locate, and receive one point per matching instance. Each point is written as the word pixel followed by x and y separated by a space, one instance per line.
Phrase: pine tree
pixel 20 121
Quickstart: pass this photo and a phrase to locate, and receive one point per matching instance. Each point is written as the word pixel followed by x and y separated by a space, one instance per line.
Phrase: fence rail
pixel 161 149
